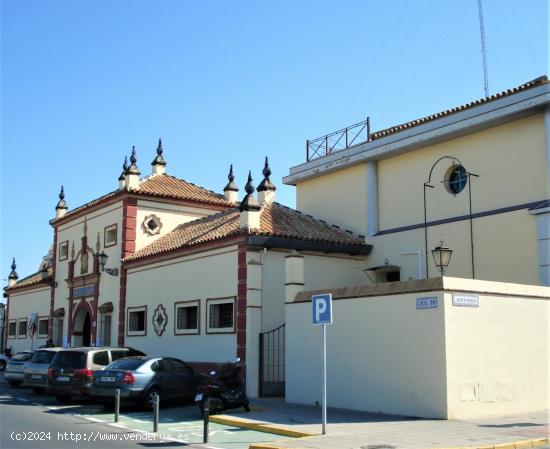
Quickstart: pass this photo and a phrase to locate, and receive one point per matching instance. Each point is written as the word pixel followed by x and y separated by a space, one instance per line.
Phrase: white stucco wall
pixel 171 215
pixel 498 356
pixel 450 362
pixel 109 286
pixel 22 305
pixel 383 356
pixel 210 274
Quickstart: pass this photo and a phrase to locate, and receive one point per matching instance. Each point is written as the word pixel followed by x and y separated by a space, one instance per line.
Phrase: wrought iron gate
pixel 272 362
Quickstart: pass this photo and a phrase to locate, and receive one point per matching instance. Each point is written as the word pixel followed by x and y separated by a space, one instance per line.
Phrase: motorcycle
pixel 223 391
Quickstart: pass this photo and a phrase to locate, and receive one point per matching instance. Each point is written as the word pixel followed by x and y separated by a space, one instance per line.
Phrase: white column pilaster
pixel 372 198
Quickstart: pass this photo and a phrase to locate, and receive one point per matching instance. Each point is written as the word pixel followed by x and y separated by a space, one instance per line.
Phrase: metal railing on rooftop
pixel 338 140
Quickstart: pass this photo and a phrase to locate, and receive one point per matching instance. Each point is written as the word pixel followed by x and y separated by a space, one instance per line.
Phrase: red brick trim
pixel 128 244
pixel 122 306
pixel 7 323
pixel 52 291
pixel 241 304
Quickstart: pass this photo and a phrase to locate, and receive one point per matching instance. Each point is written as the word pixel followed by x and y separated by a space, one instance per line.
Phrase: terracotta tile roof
pixel 172 187
pixel 166 186
pixel 37 278
pixel 398 128
pixel 275 221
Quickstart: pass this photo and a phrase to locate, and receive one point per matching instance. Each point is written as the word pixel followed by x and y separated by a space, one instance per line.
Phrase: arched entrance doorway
pixel 82 328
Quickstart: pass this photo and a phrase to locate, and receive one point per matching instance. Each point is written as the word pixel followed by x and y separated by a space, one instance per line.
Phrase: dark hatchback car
pixel 71 370
pixel 142 379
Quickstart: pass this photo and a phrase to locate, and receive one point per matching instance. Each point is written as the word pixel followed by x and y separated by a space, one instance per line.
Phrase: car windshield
pixel 42 356
pixel 21 356
pixel 127 364
pixel 69 359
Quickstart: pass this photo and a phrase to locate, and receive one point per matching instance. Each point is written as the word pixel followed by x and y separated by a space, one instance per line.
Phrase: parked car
pixel 71 370
pixel 15 374
pixel 142 379
pixel 36 369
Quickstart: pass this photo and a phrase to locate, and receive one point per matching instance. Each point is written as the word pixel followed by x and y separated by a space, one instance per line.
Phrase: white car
pixel 15 373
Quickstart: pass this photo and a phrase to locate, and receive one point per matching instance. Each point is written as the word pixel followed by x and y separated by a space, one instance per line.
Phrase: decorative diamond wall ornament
pixel 160 320
pixel 151 224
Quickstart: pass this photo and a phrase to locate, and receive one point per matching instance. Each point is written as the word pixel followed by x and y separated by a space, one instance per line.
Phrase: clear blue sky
pixel 225 82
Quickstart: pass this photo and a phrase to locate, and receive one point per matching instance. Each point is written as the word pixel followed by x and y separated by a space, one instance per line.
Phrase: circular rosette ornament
pixel 160 320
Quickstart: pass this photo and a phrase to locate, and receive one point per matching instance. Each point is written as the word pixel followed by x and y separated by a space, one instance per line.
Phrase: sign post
pixel 322 315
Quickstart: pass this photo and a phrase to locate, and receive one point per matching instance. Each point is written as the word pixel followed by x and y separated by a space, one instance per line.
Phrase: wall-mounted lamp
pixel 102 261
pixel 442 255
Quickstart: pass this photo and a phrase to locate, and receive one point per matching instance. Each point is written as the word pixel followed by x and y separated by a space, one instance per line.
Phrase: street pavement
pixel 33 421
pixel 28 420
pixel 348 429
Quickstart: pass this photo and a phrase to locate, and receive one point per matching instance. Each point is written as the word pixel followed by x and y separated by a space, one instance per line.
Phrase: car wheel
pixel 63 397
pixel 15 383
pixel 152 394
pixel 39 390
pixel 2 365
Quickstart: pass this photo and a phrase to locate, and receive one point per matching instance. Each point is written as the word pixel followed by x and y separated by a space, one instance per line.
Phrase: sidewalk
pixel 348 429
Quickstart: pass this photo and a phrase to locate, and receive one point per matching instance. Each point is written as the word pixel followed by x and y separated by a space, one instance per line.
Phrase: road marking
pixel 22 399
pixel 36 403
pixel 116 425
pixel 89 418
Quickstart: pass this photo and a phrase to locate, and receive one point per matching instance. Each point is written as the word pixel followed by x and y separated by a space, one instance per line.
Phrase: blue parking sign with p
pixel 322 308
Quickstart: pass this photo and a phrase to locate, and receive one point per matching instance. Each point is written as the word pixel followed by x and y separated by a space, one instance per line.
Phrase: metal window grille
pixel 221 315
pixel 105 329
pixel 58 332
pixel 137 321
pixel 12 327
pixel 43 326
pixel 22 329
pixel 187 317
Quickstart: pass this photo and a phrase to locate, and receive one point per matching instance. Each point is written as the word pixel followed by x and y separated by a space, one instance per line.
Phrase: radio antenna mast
pixel 483 49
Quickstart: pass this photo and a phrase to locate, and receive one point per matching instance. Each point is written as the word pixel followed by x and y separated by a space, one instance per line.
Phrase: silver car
pixel 36 369
pixel 15 374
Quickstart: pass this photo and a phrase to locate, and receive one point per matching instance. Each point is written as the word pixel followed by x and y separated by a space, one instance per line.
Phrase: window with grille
pixel 58 331
pixel 64 250
pixel 12 329
pixel 105 329
pixel 43 324
pixel 187 317
pixel 221 315
pixel 22 328
pixel 137 317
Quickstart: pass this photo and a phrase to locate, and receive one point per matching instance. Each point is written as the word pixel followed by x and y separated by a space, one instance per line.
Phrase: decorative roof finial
pixel 266 183
pixel 249 202
pixel 125 167
pixel 61 203
pixel 231 186
pixel 159 148
pixel 13 275
pixel 133 169
pixel 133 158
pixel 159 159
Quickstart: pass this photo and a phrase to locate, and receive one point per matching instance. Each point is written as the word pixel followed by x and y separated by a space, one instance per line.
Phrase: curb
pixel 258 426
pixel 521 444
